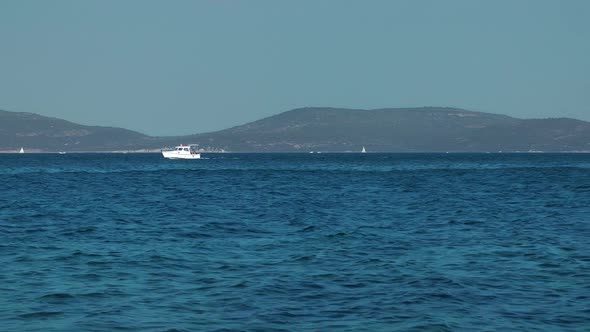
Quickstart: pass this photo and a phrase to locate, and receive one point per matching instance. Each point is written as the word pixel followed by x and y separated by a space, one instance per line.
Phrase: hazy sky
pixel 180 67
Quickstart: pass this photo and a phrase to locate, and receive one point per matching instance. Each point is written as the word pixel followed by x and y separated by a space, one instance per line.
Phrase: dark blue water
pixel 295 242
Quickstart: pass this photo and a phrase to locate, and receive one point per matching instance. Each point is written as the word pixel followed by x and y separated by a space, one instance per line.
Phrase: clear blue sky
pixel 180 67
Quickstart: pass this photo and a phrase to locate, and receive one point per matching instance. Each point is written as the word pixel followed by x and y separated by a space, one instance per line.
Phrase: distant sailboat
pixel 363 150
pixel 21 150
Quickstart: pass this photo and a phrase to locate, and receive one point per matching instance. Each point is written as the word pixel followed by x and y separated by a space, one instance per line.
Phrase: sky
pixel 190 66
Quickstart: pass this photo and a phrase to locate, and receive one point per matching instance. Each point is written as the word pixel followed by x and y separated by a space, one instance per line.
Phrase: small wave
pixel 94 295
pixel 303 258
pixel 196 235
pixel 241 284
pixel 308 228
pixel 98 263
pixel 337 235
pixel 288 167
pixel 438 327
pixel 355 285
pixel 41 314
pixel 57 298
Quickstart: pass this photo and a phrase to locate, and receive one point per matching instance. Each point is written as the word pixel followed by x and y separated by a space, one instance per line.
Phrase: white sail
pixel 363 150
pixel 21 150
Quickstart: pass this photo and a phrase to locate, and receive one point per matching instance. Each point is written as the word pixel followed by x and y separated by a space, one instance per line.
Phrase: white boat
pixel 363 150
pixel 182 152
pixel 21 150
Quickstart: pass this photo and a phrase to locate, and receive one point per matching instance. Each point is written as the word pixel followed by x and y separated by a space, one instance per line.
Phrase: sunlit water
pixel 295 242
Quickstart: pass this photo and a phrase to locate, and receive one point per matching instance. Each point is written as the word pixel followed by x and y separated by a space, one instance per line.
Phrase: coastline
pixel 38 151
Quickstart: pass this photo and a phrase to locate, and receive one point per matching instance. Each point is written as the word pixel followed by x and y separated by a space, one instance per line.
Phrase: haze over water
pixel 295 242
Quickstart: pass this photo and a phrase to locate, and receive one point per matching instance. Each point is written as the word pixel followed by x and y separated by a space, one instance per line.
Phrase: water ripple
pixel 410 242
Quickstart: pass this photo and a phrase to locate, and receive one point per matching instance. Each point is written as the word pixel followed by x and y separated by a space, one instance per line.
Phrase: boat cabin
pixel 184 149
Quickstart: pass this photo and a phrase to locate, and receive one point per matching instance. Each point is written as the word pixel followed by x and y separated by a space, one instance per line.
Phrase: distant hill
pixel 427 129
pixel 36 132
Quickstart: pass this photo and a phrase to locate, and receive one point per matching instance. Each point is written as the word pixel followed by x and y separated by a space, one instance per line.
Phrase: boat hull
pixel 177 155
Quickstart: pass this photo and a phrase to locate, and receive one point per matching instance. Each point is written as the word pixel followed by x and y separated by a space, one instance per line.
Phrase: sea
pixel 295 242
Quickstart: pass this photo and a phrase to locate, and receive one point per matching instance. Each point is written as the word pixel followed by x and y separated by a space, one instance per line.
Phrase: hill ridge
pixel 408 129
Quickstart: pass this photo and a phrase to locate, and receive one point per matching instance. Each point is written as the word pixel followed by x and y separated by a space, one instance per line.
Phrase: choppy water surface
pixel 302 242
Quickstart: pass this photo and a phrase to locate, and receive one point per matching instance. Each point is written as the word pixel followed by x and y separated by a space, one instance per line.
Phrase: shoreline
pixel 147 151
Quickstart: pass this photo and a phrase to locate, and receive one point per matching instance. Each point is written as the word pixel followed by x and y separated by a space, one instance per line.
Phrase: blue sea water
pixel 295 242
